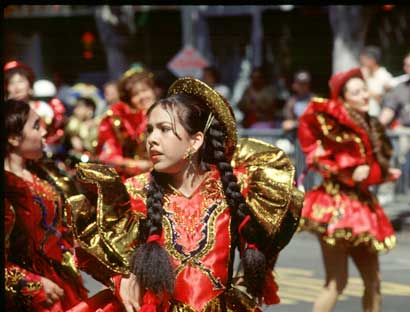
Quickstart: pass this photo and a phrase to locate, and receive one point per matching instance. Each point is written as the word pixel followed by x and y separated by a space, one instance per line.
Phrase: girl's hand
pixel 394 174
pixel 361 173
pixel 130 293
pixel 53 292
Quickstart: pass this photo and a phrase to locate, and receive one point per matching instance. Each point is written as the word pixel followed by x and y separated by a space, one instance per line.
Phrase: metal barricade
pixel 400 139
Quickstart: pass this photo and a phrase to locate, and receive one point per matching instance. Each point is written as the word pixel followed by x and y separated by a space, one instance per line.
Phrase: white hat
pixel 44 88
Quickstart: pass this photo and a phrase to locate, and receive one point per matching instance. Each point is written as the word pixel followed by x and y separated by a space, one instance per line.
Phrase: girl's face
pixel 32 140
pixel 18 88
pixel 142 96
pixel 167 148
pixel 356 95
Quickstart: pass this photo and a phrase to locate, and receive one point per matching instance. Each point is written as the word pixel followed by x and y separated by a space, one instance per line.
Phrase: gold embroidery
pixel 211 193
pixel 346 234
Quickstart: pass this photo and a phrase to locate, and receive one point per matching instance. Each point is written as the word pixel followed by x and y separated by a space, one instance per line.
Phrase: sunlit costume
pixel 340 208
pixel 121 133
pixel 197 231
pixel 39 243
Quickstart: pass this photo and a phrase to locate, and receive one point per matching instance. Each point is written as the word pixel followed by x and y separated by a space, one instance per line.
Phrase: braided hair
pixel 150 262
pixel 381 144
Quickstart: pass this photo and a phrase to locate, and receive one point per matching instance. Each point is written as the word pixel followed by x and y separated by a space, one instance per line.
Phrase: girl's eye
pixel 165 129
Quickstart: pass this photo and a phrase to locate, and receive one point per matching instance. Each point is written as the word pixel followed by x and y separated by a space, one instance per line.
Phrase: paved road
pixel 300 273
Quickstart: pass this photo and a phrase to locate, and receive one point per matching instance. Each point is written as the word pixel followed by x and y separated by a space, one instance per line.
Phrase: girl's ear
pixel 14 140
pixel 197 140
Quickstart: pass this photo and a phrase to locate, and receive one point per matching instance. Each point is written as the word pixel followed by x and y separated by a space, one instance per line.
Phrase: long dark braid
pixel 254 261
pixel 151 262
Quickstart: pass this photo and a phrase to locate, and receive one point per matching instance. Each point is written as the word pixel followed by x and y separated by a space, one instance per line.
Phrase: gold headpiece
pixel 135 69
pixel 218 105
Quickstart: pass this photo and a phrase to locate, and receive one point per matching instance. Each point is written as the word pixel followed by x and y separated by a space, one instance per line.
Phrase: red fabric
pixel 195 222
pixel 153 238
pixel 243 223
pixel 150 302
pixel 337 81
pixel 270 291
pixel 117 145
pixel 55 132
pixel 36 237
pixel 353 208
pixel 104 301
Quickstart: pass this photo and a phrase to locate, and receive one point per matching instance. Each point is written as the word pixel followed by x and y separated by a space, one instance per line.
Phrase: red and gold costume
pixel 196 230
pixel 121 136
pixel 341 208
pixel 38 244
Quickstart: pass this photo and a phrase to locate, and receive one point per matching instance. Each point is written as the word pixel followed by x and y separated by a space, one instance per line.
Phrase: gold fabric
pixel 346 235
pixel 216 103
pixel 271 194
pixel 109 231
pixel 231 300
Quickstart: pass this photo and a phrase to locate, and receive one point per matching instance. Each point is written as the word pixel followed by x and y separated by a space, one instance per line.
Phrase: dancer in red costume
pixel 121 131
pixel 18 82
pixel 40 271
pixel 351 151
pixel 166 240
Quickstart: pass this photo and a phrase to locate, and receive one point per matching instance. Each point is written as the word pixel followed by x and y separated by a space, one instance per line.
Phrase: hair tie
pixel 153 238
pixel 252 246
pixel 243 223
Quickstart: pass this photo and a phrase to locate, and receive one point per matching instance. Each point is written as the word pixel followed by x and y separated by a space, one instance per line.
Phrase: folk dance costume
pixel 38 243
pixel 198 231
pixel 121 136
pixel 340 208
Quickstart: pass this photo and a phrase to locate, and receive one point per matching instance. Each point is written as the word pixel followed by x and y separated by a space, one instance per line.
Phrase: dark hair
pixel 15 116
pixel 125 85
pixel 373 52
pixel 18 70
pixel 214 72
pixel 88 102
pixel 381 144
pixel 193 115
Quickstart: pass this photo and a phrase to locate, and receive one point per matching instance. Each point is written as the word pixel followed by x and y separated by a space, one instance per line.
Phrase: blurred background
pixel 277 49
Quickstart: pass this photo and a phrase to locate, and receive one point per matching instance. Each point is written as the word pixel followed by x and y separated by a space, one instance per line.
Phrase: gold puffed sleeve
pixel 266 176
pixel 106 232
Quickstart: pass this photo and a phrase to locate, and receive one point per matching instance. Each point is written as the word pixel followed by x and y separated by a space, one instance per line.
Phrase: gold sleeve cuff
pixel 109 232
pixel 269 184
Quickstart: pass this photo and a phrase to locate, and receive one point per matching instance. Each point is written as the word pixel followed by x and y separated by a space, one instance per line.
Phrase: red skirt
pixel 339 212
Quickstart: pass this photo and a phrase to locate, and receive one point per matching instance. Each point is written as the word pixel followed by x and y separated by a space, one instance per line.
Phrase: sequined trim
pixel 339 136
pixel 213 206
pixel 346 234
pixel 15 279
pixel 231 300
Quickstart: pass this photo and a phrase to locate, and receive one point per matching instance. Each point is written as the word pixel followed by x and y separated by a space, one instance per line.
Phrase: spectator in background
pixel 396 104
pixel 297 103
pixel 210 75
pixel 82 129
pixel 258 102
pixel 111 93
pixel 377 78
pixel 121 133
pixel 396 114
